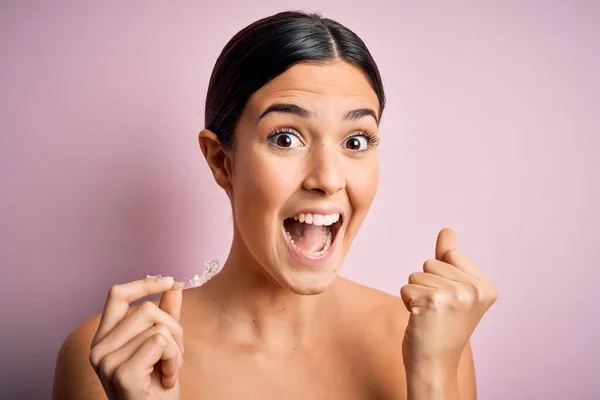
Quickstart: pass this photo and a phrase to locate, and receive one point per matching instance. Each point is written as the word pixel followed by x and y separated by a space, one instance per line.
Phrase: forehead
pixel 336 86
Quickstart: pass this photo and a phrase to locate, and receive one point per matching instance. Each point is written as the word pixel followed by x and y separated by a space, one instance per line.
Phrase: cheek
pixel 362 185
pixel 261 186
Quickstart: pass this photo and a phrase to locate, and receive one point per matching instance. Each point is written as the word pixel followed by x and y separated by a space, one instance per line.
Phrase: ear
pixel 217 158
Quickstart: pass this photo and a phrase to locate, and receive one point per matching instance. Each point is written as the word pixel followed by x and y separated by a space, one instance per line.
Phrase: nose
pixel 325 174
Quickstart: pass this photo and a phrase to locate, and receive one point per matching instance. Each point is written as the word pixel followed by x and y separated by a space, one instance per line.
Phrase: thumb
pixel 170 302
pixel 446 241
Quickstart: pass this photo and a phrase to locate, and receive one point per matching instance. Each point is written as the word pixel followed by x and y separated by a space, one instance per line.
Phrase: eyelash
pixel 372 139
pixel 283 130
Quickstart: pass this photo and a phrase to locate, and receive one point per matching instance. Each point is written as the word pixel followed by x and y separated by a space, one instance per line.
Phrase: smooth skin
pixel 267 326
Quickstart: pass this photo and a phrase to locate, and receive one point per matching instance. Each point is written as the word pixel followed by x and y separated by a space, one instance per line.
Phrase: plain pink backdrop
pixel 492 128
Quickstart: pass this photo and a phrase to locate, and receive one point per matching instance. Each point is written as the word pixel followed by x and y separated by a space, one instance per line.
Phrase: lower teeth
pixel 318 253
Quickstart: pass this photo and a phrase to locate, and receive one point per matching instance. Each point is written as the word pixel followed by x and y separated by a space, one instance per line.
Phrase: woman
pixel 292 116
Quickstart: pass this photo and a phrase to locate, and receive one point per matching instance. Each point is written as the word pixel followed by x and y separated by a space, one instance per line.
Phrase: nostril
pixel 319 191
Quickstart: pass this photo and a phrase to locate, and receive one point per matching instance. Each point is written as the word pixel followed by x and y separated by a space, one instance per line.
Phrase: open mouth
pixel 311 233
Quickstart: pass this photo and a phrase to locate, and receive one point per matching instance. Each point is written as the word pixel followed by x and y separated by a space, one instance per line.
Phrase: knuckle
pixel 466 295
pixel 438 300
pixel 114 291
pixel 429 265
pixel 121 375
pixel 95 358
pixel 404 292
pixel 431 303
pixel 493 294
pixel 162 329
pixel 159 339
pixel 163 332
pixel 414 277
pixel 147 307
pixel 175 332
pixel 469 295
pixel 106 366
pixel 477 292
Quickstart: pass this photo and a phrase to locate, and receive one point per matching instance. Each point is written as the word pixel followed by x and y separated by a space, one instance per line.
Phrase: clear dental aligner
pixel 211 268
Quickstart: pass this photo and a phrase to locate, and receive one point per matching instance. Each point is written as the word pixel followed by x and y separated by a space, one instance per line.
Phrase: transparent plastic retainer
pixel 211 268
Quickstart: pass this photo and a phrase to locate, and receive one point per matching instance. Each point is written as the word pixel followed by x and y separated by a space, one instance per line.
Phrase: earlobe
pixel 217 158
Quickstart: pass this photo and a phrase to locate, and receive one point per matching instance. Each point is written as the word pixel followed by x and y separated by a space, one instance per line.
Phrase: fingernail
pixel 167 279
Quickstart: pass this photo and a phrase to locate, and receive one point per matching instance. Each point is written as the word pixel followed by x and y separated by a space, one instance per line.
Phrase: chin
pixel 307 283
pixel 306 275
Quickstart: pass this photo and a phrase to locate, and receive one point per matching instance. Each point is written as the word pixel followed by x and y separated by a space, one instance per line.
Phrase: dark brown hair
pixel 267 48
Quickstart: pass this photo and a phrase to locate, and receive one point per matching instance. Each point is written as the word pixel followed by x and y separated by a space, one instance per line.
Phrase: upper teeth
pixel 317 219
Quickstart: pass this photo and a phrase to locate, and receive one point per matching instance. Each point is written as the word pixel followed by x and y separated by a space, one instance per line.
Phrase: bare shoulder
pixel 384 312
pixel 74 377
pixel 378 320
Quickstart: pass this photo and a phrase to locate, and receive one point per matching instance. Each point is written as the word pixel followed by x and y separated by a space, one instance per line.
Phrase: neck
pixel 257 310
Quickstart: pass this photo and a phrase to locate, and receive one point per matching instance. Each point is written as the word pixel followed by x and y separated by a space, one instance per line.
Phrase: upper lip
pixel 319 210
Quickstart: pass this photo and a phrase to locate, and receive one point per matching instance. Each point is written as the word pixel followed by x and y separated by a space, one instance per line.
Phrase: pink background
pixel 492 128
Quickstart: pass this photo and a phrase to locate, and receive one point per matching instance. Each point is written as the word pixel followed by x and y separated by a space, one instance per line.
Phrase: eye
pixel 357 143
pixel 285 140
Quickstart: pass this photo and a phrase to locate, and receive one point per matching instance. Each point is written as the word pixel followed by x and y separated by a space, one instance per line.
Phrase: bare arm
pixel 385 326
pixel 467 387
pixel 389 326
pixel 74 377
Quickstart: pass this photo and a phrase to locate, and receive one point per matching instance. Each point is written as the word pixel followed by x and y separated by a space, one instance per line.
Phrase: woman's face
pixel 305 171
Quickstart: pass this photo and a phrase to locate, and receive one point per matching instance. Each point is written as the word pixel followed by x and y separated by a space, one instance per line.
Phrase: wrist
pixel 433 380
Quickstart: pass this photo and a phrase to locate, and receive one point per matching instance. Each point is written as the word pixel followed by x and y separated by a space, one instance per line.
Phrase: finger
pixel 429 280
pixel 119 297
pixel 142 318
pixel 137 370
pixel 446 270
pixel 170 302
pixel 156 348
pixel 463 263
pixel 416 297
pixel 446 241
pixel 110 362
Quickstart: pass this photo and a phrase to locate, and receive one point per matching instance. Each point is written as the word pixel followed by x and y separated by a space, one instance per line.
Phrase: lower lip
pixel 306 258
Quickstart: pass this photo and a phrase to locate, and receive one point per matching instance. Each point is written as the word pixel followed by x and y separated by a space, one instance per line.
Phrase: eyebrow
pixel 294 109
pixel 360 113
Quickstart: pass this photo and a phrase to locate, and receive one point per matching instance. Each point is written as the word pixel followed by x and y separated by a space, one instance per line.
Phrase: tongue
pixel 310 238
